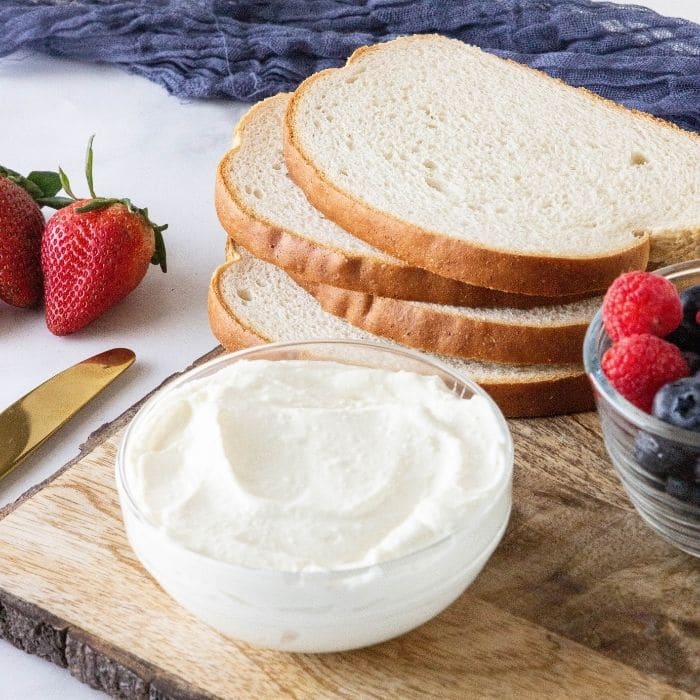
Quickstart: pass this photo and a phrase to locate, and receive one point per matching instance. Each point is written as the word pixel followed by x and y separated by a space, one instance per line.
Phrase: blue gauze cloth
pixel 247 49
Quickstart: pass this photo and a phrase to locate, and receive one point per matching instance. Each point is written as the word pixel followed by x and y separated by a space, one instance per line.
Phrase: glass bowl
pixel 321 611
pixel 648 454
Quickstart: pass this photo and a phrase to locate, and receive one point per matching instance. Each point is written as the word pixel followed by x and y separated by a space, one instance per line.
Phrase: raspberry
pixel 639 302
pixel 639 365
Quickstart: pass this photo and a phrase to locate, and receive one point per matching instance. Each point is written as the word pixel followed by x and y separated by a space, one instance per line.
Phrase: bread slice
pixel 253 302
pixel 489 172
pixel 265 212
pixel 534 336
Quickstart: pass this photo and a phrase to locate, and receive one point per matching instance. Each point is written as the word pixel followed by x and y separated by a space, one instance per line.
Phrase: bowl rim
pixel 591 362
pixel 127 500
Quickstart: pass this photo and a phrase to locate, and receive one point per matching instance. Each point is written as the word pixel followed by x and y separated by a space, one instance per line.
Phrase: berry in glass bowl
pixel 642 355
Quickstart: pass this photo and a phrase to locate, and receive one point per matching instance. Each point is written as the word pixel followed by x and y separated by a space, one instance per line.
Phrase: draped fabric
pixel 249 49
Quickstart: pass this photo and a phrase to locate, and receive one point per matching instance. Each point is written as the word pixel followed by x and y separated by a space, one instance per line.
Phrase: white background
pixel 162 153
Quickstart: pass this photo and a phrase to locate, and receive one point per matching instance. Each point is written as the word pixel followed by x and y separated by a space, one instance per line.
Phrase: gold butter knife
pixel 39 414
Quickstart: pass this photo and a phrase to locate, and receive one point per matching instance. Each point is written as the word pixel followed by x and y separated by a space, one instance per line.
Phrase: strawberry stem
pixel 96 203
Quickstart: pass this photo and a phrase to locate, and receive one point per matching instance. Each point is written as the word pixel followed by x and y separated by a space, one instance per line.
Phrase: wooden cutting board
pixel 580 600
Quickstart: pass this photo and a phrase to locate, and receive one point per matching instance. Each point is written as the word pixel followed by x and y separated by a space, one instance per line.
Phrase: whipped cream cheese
pixel 301 465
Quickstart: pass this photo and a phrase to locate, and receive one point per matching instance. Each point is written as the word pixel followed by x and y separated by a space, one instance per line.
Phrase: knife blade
pixel 29 421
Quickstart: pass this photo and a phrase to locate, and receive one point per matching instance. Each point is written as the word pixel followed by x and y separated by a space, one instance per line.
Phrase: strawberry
pixel 21 227
pixel 94 252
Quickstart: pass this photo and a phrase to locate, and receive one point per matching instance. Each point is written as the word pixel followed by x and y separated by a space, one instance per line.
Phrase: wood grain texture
pixel 580 599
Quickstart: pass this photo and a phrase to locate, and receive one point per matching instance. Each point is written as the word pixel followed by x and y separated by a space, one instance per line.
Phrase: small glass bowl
pixel 321 611
pixel 629 433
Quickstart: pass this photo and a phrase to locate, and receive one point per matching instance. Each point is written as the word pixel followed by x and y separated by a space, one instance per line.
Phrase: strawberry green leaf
pixel 88 168
pixel 65 183
pixel 47 181
pixel 8 173
pixel 159 257
pixel 28 184
pixel 97 203
pixel 54 202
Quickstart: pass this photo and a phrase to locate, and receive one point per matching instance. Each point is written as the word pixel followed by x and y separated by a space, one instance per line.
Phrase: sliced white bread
pixel 253 302
pixel 551 334
pixel 487 171
pixel 265 212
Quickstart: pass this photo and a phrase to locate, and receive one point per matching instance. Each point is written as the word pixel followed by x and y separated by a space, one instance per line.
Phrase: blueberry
pixel 678 403
pixel 684 490
pixel 690 300
pixel 693 360
pixel 686 336
pixel 660 457
pixel 685 466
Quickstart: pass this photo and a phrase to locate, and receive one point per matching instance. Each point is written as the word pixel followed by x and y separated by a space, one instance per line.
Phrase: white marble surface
pixel 162 153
